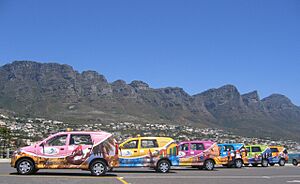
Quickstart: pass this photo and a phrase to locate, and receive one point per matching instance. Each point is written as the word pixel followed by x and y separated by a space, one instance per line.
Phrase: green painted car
pixel 258 155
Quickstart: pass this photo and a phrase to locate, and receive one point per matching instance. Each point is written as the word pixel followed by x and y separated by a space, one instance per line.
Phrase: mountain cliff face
pixel 57 91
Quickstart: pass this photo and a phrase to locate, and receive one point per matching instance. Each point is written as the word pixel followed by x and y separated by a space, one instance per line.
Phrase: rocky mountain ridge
pixel 59 92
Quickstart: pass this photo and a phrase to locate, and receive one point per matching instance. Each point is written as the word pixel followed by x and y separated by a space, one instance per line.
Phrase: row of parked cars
pixel 98 152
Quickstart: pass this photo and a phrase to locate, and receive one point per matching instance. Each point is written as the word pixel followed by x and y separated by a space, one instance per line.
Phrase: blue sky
pixel 193 44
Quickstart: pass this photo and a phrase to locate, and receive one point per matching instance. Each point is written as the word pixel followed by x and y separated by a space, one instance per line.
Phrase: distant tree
pixel 5 136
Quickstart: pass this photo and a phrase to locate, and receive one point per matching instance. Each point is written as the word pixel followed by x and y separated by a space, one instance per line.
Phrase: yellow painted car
pixel 156 152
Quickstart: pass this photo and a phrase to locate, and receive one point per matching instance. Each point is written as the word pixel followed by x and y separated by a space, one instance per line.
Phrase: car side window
pixel 184 147
pixel 146 143
pixel 248 149
pixel 131 144
pixel 80 139
pixel 229 148
pixel 57 141
pixel 256 149
pixel 274 150
pixel 197 146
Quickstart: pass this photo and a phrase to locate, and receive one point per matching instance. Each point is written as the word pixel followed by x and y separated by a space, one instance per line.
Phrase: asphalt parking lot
pixel 257 175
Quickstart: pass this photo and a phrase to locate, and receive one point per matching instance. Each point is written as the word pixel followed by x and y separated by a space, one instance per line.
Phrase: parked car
pixel 258 155
pixel 295 157
pixel 279 156
pixel 199 154
pixel 94 151
pixel 159 153
pixel 231 155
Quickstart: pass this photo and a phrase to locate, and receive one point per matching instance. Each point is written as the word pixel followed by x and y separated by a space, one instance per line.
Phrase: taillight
pixel 117 149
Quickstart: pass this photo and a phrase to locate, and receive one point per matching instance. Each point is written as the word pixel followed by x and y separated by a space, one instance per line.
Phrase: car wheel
pixel 25 166
pixel 209 165
pixel 238 163
pixel 264 163
pixel 295 162
pixel 163 166
pixel 281 162
pixel 98 168
pixel 271 164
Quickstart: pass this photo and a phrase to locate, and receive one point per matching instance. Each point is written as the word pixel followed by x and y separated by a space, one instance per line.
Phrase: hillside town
pixel 26 131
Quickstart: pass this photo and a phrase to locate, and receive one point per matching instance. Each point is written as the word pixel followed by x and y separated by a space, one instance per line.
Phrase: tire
pixel 281 162
pixel 238 163
pixel 295 162
pixel 209 165
pixel 163 166
pixel 264 163
pixel 25 166
pixel 271 164
pixel 98 168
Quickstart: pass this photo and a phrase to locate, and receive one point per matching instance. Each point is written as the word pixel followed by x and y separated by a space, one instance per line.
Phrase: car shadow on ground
pixel 131 171
pixel 66 174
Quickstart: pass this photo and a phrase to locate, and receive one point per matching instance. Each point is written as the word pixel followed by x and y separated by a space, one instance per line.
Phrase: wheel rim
pixel 98 168
pixel 238 164
pixel 265 163
pixel 25 167
pixel 282 162
pixel 209 165
pixel 164 167
pixel 295 162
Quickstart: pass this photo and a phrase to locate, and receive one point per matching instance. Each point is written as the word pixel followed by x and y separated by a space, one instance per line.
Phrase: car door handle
pixel 62 148
pixel 135 151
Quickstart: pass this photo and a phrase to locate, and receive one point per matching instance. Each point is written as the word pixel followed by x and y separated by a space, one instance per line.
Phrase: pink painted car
pixel 199 154
pixel 94 151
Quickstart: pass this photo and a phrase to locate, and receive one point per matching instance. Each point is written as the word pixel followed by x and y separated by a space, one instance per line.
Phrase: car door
pixel 196 148
pixel 184 154
pixel 148 146
pixel 129 154
pixel 79 148
pixel 256 152
pixel 52 151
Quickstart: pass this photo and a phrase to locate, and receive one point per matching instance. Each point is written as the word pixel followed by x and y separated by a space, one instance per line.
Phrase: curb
pixel 4 160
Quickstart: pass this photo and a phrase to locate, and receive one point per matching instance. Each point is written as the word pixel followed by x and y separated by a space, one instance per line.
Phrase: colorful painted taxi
pixel 159 153
pixel 231 155
pixel 279 155
pixel 199 154
pixel 94 151
pixel 258 155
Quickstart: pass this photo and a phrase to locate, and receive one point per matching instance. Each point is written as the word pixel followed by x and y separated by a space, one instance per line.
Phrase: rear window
pixel 274 150
pixel 81 139
pixel 147 143
pixel 256 149
pixel 197 146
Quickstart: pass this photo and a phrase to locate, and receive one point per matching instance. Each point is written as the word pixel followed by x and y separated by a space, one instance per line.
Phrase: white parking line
pixel 293 181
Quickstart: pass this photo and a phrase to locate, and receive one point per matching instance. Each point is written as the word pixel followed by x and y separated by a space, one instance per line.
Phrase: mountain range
pixel 59 92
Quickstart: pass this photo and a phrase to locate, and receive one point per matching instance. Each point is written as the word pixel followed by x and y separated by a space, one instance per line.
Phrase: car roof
pixel 197 141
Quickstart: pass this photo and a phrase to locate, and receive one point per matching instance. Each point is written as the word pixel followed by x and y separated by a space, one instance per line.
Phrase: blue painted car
pixel 231 155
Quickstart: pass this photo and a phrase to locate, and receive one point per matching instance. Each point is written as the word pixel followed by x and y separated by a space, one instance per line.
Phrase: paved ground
pixel 258 175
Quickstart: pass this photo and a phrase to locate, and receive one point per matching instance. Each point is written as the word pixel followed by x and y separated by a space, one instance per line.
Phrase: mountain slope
pixel 58 91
